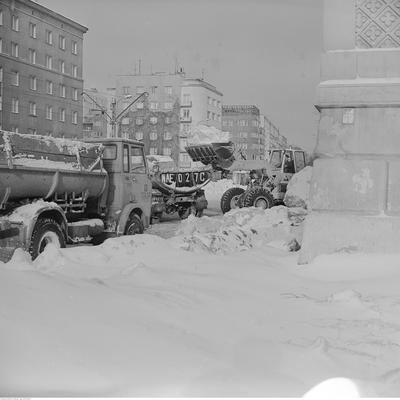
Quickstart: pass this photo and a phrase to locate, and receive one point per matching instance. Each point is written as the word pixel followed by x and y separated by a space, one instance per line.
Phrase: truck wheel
pixel 184 212
pixel 229 199
pixel 134 225
pixel 258 197
pixel 45 231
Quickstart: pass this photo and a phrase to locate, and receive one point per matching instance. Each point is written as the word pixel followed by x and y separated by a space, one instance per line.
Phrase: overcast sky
pixel 262 52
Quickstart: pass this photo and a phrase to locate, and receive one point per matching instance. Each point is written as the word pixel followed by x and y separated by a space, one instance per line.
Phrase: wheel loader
pixel 266 179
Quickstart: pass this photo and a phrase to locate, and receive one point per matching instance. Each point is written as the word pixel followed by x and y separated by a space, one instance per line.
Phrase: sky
pixel 261 52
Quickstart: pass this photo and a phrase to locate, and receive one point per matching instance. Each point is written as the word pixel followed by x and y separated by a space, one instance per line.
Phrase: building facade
pixel 272 136
pixel 243 124
pixel 40 70
pixel 96 106
pixel 155 120
pixel 201 104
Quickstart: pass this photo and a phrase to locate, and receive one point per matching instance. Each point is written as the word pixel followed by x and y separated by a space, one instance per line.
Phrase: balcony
pixel 186 104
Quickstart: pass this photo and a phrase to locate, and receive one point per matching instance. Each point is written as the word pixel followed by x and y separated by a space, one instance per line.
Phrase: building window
pixel 15 78
pixel 14 105
pixel 153 120
pixel 153 135
pixel 125 121
pixel 62 66
pixel 139 105
pixel 139 121
pixel 49 62
pixel 63 91
pixel 208 114
pixel 32 108
pixel 139 135
pixel 243 122
pixel 153 89
pixel 49 37
pixel 62 115
pixel 49 112
pixel 186 99
pixel 1 45
pixel 167 151
pixel 168 90
pixel 168 120
pixel 1 74
pixel 74 47
pixel 74 94
pixel 14 49
pixel 186 114
pixel 168 105
pixel 15 23
pixel 32 56
pixel 33 82
pixel 125 90
pixel 153 105
pixel 61 42
pixel 49 87
pixel 1 17
pixel 185 128
pixel 153 150
pixel 139 89
pixel 32 30
pixel 167 135
pixel 75 117
pixel 243 134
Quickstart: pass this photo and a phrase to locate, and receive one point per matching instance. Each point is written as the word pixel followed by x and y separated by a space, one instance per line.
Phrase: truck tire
pixel 229 199
pixel 258 197
pixel 46 231
pixel 134 225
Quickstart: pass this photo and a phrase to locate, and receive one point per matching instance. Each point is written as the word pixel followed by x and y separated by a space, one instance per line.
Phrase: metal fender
pixel 124 216
pixel 49 210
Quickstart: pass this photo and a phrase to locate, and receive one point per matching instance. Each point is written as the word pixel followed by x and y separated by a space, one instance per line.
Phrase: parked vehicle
pixel 62 191
pixel 267 179
pixel 179 191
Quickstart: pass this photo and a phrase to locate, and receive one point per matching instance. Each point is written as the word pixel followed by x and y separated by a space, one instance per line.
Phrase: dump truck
pixel 266 179
pixel 62 191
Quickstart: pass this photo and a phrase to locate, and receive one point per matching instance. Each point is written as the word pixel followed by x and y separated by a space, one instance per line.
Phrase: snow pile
pixel 238 230
pixel 138 317
pixel 298 189
pixel 202 134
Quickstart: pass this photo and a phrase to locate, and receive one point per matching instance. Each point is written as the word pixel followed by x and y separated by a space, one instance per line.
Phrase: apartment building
pixel 243 123
pixel 96 106
pixel 273 138
pixel 40 70
pixel 154 119
pixel 201 104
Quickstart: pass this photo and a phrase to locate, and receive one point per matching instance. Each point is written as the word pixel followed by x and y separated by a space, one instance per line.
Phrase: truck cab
pixel 128 196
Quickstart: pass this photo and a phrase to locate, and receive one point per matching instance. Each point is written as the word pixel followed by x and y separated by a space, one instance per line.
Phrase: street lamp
pixel 114 118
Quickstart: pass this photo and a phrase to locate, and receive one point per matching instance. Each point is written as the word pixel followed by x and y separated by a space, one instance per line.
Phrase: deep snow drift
pixel 146 316
pixel 298 189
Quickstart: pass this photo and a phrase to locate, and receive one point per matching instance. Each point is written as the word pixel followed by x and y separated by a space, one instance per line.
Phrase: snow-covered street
pixel 192 316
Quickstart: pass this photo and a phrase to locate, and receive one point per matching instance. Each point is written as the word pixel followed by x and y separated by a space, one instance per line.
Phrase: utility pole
pixel 114 118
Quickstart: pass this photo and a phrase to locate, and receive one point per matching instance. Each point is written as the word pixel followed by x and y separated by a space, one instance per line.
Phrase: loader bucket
pixel 219 155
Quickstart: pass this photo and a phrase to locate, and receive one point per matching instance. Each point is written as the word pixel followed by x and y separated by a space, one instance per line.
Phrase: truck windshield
pixel 276 159
pixel 137 160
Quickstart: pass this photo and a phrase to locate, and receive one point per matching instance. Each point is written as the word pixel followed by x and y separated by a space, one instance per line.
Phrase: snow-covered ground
pixel 147 316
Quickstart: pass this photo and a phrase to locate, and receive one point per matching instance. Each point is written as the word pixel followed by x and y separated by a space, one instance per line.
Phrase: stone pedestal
pixel 355 189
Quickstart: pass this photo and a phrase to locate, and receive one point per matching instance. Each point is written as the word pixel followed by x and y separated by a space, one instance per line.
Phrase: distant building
pixel 243 123
pixel 273 138
pixel 40 70
pixel 201 103
pixel 95 107
pixel 155 120
pixel 164 120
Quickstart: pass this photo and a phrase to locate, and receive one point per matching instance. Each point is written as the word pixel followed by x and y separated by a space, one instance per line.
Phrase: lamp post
pixel 114 117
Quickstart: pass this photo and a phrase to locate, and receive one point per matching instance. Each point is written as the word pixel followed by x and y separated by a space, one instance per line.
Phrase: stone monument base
pixel 327 233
